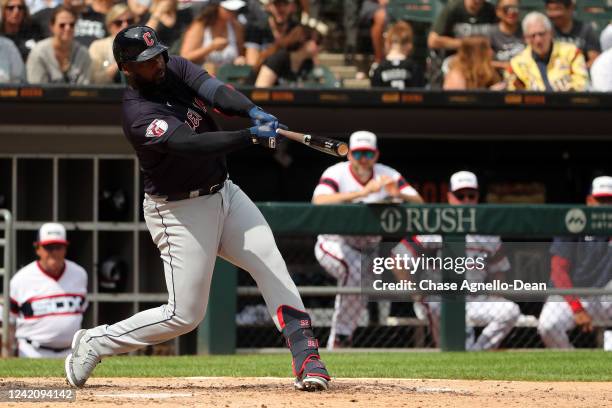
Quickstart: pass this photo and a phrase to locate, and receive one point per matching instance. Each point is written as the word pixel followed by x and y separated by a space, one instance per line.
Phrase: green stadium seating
pixel 596 12
pixel 235 74
pixel 414 10
pixel 321 77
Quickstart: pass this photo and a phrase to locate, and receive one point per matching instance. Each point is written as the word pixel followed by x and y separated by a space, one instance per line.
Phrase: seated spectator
pixel 59 59
pixel 601 70
pixel 36 5
pixel 373 14
pixel 12 69
pixel 546 65
pixel 104 69
pixel 169 22
pixel 16 25
pixel 460 19
pixel 215 38
pixel 568 29
pixel 350 22
pixel 139 9
pixel 90 20
pixel 91 24
pixel 398 70
pixel 292 61
pixel 48 298
pixel 506 37
pixel 268 26
pixel 472 66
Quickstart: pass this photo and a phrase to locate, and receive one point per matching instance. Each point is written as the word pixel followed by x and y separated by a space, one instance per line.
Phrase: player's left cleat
pixel 311 383
pixel 81 362
pixel 314 376
pixel 310 372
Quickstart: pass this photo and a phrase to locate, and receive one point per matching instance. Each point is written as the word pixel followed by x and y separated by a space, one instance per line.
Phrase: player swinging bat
pixel 322 144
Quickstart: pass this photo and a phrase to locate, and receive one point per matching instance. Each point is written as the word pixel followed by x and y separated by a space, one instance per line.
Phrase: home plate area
pixel 268 392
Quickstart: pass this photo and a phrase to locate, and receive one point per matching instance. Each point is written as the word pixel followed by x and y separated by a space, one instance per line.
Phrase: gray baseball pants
pixel 190 234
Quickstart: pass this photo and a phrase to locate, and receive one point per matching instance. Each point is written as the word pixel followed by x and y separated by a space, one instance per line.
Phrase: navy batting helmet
pixel 137 44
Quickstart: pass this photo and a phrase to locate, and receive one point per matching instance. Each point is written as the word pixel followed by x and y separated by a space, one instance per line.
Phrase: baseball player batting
pixel 192 210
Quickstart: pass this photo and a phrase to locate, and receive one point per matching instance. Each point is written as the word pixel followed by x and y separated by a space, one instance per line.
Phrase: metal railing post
pixel 7 269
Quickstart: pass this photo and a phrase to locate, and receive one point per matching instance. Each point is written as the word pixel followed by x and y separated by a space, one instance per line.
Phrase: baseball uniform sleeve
pixel 168 134
pixel 210 89
pixel 498 262
pixel 404 187
pixel 328 183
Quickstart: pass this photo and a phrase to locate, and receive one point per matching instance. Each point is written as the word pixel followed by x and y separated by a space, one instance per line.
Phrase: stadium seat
pixel 424 11
pixel 235 74
pixel 321 77
pixel 596 12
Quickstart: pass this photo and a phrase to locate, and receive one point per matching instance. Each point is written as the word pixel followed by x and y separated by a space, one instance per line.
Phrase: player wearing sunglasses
pixel 497 315
pixel 361 179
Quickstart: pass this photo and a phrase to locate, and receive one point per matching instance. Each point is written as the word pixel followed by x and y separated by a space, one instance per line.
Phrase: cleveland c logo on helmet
pixel 147 39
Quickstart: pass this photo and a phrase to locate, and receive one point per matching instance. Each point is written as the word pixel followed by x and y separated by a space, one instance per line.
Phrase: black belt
pixel 195 193
pixel 40 346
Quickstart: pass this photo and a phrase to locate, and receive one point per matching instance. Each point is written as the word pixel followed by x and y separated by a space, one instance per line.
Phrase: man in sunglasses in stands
pixel 48 297
pixel 359 180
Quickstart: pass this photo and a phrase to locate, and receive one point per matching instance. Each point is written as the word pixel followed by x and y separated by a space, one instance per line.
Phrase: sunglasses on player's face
pixel 368 154
pixel 466 195
pixel 53 247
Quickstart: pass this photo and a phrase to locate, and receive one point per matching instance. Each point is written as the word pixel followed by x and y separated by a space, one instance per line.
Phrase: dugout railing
pixel 6 243
pixel 292 221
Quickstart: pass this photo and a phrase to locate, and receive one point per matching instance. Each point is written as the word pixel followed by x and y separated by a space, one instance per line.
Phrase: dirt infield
pixel 278 392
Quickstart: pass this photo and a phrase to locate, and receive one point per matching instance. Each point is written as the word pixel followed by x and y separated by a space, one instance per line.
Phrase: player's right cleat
pixel 310 372
pixel 81 362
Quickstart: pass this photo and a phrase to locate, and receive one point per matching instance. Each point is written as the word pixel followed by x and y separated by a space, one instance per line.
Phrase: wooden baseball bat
pixel 322 144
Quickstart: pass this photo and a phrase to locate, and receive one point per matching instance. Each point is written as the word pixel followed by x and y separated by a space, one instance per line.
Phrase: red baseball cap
pixel 52 233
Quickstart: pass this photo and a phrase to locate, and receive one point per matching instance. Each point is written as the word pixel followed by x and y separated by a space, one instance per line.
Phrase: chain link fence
pixel 412 323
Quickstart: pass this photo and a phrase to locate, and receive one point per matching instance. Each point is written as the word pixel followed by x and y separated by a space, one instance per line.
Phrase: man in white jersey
pixel 359 180
pixel 497 315
pixel 47 297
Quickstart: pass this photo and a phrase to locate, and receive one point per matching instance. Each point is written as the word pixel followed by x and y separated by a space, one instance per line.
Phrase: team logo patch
pixel 147 39
pixel 157 128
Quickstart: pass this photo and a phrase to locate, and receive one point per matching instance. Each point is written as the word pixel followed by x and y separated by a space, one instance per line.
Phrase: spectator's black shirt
pixel 399 74
pixel 582 36
pixel 280 63
pixel 258 33
pixel 151 117
pixel 90 27
pixel 171 35
pixel 25 39
pixel 505 45
pixel 455 21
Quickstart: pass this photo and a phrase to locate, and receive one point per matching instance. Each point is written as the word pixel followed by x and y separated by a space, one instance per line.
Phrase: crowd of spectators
pixel 471 44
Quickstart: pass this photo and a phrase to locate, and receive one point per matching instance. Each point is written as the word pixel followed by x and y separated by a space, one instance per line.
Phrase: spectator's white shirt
pixel 48 310
pixel 601 72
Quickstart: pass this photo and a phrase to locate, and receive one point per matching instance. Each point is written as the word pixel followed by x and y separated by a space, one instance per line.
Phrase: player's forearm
pixel 336 198
pixel 413 199
pixel 209 143
pixel 226 99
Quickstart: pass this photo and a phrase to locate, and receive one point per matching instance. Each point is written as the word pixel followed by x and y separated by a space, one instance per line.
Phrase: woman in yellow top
pixel 546 65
